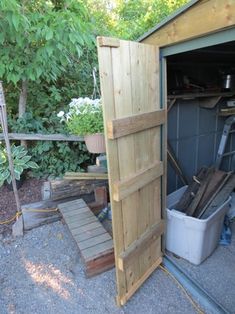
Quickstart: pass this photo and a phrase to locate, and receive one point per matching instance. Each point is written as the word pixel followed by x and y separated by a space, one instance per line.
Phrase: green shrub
pixel 21 161
pixel 54 158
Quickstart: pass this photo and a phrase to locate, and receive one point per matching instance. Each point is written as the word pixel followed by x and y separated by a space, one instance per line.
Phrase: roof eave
pixel 168 20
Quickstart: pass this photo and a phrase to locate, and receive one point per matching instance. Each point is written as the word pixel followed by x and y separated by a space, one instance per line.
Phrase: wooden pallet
pixel 94 242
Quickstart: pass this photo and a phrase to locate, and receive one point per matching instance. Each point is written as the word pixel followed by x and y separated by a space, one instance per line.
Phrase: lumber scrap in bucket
pixel 207 191
pixel 220 198
pixel 202 188
pixel 216 187
pixel 191 191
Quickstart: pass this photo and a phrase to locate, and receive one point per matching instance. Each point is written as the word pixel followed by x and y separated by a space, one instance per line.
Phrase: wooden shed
pixel 166 88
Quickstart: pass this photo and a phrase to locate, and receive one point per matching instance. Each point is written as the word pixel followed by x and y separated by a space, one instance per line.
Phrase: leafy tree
pixel 102 16
pixel 39 39
pixel 129 19
pixel 48 53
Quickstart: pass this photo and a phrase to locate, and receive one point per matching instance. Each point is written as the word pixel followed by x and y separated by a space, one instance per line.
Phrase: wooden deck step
pixel 94 242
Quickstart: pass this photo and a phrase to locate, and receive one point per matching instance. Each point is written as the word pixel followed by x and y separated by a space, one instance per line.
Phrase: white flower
pixel 80 106
pixel 60 114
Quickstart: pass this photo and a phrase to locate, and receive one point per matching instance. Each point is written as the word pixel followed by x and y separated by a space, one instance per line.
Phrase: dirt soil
pixel 29 192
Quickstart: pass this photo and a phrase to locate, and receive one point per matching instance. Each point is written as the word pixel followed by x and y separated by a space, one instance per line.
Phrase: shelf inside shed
pixel 197 112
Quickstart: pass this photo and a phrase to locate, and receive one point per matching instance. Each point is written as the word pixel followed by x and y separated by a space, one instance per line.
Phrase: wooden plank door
pixel 134 128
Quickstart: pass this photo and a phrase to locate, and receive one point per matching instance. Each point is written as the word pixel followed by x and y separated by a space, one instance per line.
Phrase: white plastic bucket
pixel 192 238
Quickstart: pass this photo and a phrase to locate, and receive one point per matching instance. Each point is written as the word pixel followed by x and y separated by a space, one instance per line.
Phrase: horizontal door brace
pixel 125 187
pixel 135 123
pixel 139 245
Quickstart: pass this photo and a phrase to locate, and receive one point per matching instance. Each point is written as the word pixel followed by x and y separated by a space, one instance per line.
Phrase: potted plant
pixel 21 162
pixel 85 118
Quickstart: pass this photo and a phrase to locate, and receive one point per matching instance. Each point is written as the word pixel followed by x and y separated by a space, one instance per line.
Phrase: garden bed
pixel 28 193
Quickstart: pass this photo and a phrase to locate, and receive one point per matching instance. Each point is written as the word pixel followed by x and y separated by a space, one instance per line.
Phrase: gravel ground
pixel 216 274
pixel 42 273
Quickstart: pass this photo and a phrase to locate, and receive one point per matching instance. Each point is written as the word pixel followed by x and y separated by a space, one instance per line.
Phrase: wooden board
pixel 135 123
pixel 94 242
pixel 200 193
pixel 213 187
pixel 130 88
pixel 220 198
pixel 39 213
pixel 125 187
pixel 43 137
pixel 58 189
pixel 191 191
pixel 204 17
pixel 85 176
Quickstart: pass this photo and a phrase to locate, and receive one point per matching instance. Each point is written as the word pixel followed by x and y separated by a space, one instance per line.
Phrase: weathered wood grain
pixel 199 195
pixel 135 123
pixel 94 242
pixel 63 188
pixel 140 245
pixel 221 16
pixel 43 137
pixel 107 87
pixel 191 191
pixel 39 213
pixel 88 234
pixel 97 250
pixel 130 87
pixel 108 42
pixel 219 197
pixel 213 186
pixel 130 185
pixel 85 176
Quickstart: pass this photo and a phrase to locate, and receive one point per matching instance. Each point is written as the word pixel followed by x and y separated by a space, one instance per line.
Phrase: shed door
pixel 134 131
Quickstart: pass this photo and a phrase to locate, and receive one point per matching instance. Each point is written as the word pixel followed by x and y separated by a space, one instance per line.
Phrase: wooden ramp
pixel 94 242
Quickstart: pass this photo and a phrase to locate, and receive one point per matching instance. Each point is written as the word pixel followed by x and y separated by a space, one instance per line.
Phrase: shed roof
pixel 168 19
pixel 198 18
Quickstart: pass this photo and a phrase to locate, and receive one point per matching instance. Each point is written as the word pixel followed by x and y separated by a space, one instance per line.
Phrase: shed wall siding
pixel 194 134
pixel 203 18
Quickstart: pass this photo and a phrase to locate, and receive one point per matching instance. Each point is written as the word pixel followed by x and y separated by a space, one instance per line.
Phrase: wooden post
pixel 22 104
pixel 3 120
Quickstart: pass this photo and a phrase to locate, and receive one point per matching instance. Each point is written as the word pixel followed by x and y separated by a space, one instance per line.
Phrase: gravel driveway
pixel 42 273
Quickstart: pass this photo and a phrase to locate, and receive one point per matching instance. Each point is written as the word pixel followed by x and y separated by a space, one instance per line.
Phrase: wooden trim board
pixel 43 137
pixel 194 23
pixel 108 42
pixel 125 187
pixel 136 286
pixel 85 176
pixel 136 123
pixel 140 245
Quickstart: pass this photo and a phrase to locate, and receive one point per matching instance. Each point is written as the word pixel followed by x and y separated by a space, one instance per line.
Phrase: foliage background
pixel 32 29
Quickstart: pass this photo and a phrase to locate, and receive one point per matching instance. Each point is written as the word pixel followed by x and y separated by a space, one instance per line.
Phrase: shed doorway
pixel 199 102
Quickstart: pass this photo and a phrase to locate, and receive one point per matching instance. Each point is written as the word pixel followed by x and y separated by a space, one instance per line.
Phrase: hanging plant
pixel 85 118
